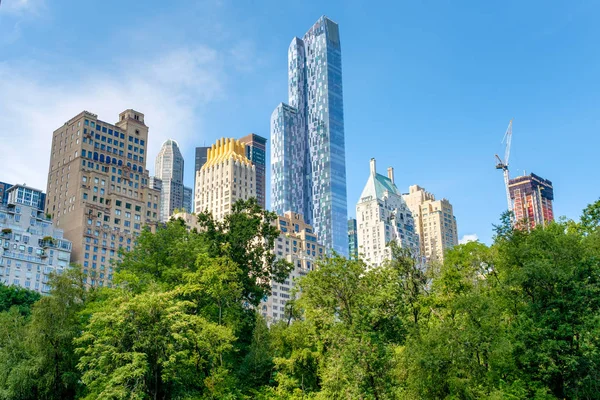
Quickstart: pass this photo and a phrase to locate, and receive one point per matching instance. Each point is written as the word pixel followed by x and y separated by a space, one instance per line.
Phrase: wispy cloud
pixel 21 7
pixel 468 238
pixel 170 89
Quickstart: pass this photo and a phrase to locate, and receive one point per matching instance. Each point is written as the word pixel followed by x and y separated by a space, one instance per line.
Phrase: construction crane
pixel 503 164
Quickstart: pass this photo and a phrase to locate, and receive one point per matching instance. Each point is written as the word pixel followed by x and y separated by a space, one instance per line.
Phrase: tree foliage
pixel 14 296
pixel 519 319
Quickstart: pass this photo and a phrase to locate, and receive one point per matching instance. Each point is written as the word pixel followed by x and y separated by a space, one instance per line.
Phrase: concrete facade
pixel 31 248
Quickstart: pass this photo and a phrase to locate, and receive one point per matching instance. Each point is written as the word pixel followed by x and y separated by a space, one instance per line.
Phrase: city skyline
pixel 429 98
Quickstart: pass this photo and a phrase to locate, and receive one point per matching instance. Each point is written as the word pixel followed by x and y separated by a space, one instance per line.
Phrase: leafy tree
pixel 151 345
pixel 247 236
pixel 39 352
pixel 551 283
pixel 162 257
pixel 15 296
pixel 257 366
pixel 352 318
pixel 590 219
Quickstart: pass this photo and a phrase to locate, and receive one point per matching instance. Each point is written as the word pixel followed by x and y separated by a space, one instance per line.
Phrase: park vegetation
pixel 519 319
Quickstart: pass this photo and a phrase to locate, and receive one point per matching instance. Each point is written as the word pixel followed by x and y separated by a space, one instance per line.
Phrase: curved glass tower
pixel 308 164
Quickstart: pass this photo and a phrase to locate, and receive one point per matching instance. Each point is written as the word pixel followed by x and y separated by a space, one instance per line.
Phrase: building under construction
pixel 532 198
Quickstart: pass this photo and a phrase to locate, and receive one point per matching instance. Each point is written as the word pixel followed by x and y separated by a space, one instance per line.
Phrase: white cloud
pixel 20 7
pixel 468 238
pixel 169 89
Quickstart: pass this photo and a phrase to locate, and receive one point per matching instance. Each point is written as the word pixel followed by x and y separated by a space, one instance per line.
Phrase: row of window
pixel 108 159
pixel 110 131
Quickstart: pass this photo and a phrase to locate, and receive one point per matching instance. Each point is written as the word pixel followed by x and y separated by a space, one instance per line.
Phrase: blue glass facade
pixel 4 193
pixel 308 151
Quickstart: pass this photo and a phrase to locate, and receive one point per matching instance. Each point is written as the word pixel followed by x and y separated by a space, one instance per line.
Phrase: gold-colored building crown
pixel 226 149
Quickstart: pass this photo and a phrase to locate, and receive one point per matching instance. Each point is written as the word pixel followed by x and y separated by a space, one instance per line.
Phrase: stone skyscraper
pixel 98 189
pixel 434 221
pixel 226 177
pixel 308 151
pixel 382 216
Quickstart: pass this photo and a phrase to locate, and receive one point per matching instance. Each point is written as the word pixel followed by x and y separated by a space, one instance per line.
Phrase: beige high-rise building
pixel 298 245
pixel 383 217
pixel 226 177
pixel 434 222
pixel 98 190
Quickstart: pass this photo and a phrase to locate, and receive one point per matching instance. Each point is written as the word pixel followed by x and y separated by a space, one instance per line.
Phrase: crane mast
pixel 503 164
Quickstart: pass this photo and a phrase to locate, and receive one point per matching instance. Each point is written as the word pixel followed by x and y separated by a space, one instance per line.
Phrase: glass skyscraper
pixel 308 167
pixel 256 149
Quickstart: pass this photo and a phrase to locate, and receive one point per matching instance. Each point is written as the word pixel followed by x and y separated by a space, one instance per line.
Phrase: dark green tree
pixel 247 237
pixel 15 296
pixel 39 352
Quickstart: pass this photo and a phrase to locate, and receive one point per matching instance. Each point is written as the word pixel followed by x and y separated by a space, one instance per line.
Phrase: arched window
pixel 95 156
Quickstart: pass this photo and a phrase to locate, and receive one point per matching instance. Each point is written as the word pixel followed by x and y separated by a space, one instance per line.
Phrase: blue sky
pixel 429 87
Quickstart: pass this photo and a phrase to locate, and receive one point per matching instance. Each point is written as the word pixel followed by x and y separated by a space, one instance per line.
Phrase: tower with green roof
pixel 382 216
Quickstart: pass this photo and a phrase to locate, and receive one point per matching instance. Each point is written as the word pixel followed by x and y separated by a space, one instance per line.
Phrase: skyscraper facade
pixel 169 169
pixel 98 189
pixel 33 247
pixel 435 222
pixel 308 150
pixel 200 159
pixel 532 198
pixel 188 199
pixel 297 244
pixel 382 216
pixel 226 177
pixel 4 193
pixel 256 151
pixel 352 239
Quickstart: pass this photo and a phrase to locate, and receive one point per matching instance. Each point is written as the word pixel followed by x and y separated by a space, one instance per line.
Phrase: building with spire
pixel 532 198
pixel 169 169
pixel 382 216
pixel 308 161
pixel 434 222
pixel 226 177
